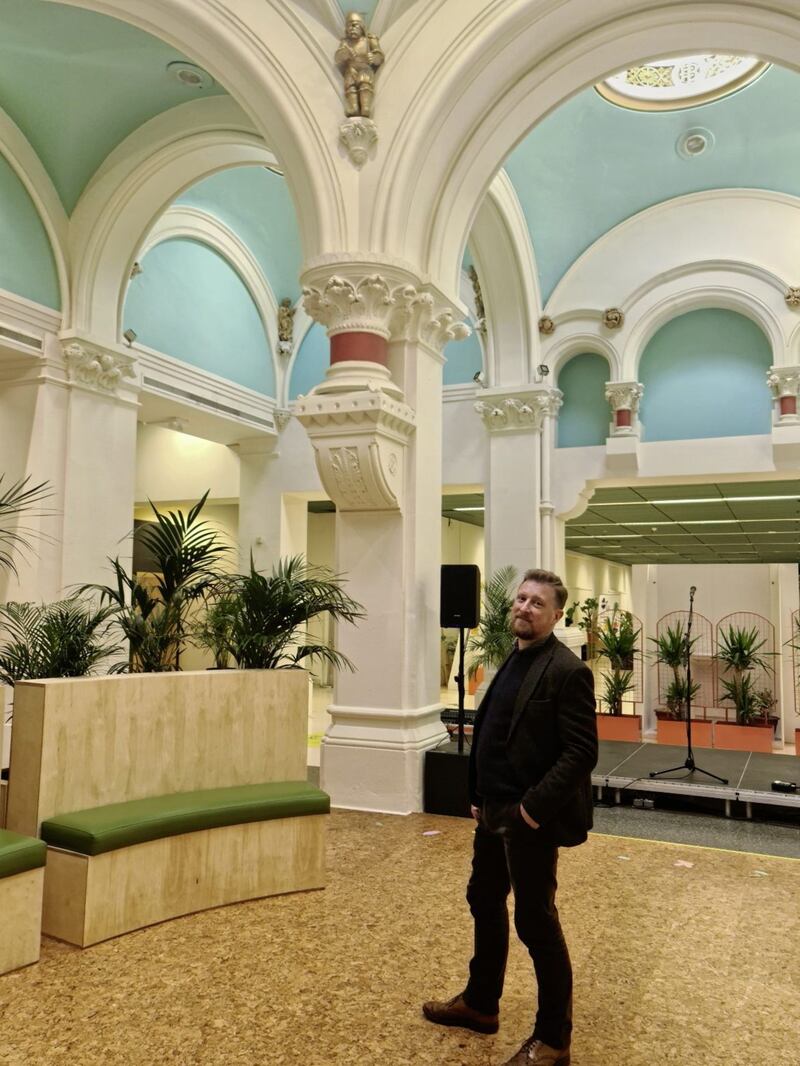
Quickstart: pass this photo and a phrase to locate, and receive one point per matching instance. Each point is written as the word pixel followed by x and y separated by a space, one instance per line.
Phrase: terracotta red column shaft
pixel 623 416
pixel 788 405
pixel 359 347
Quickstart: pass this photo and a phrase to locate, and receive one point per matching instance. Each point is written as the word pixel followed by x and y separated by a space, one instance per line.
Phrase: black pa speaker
pixel 461 596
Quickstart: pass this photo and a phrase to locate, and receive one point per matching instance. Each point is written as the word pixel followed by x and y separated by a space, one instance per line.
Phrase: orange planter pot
pixel 619 726
pixel 671 731
pixel 797 741
pixel 473 683
pixel 733 737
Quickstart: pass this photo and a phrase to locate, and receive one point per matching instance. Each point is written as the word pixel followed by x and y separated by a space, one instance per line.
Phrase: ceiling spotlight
pixel 136 269
pixel 189 75
pixel 130 336
pixel 477 377
pixel 543 369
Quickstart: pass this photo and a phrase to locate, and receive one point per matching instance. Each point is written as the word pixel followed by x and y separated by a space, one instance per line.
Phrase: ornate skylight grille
pixel 684 81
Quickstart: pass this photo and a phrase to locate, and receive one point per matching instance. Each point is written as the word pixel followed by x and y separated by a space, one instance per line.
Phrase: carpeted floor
pixel 682 955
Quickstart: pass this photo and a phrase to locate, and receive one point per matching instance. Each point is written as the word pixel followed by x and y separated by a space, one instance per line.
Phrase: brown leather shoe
pixel 456 1012
pixel 535 1053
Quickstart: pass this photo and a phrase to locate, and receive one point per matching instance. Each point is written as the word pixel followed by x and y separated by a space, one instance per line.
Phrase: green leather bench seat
pixel 19 854
pixel 119 825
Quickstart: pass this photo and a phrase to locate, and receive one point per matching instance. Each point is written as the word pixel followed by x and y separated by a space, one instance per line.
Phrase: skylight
pixel 683 81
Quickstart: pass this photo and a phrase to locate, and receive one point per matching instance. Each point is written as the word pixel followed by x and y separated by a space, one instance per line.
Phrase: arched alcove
pixel 704 376
pixel 27 265
pixel 584 416
pixel 189 303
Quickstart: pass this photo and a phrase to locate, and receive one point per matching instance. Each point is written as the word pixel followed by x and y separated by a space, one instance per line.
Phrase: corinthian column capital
pixel 624 395
pixel 96 367
pixel 518 409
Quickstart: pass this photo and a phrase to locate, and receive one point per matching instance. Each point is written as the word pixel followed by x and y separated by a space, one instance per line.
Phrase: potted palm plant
pixel 261 620
pixel 153 615
pixel 618 641
pixel 670 649
pixel 493 640
pixel 740 651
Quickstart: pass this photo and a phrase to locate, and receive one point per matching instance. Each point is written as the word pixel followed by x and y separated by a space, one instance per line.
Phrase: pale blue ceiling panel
pixel 77 83
pixel 589 165
pixel 254 202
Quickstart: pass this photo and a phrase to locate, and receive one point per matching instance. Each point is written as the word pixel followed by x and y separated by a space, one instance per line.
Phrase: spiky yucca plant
pixel 739 651
pixel 494 641
pixel 617 641
pixel 670 649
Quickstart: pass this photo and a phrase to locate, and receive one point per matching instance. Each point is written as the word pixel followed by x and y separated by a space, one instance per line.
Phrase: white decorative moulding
pixel 95 367
pixel 359 136
pixel 508 412
pixel 389 306
pixel 359 442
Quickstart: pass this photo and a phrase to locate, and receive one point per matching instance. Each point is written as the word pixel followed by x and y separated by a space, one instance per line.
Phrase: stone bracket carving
pixel 96 368
pixel 390 307
pixel 359 137
pixel 359 442
pixel 518 410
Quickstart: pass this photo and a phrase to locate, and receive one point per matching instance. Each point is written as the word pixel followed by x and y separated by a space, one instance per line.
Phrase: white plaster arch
pixel 282 76
pixel 667 301
pixel 134 187
pixel 581 341
pixel 485 74
pixel 192 223
pixel 504 259
pixel 28 167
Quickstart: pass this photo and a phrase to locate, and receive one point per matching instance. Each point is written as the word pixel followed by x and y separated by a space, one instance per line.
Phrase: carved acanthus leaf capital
pixel 281 417
pixel 95 367
pixel 518 410
pixel 784 381
pixel 624 395
pixel 359 442
pixel 343 305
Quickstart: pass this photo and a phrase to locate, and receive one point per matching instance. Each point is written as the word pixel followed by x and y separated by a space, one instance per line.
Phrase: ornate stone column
pixel 513 519
pixel 375 424
pixel 624 398
pixel 784 384
pixel 549 527
pixel 68 417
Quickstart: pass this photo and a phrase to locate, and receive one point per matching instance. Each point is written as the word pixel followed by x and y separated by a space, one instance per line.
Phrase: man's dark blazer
pixel 552 742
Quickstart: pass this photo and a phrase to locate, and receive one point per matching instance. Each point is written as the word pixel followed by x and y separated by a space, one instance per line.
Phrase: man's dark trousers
pixel 510 854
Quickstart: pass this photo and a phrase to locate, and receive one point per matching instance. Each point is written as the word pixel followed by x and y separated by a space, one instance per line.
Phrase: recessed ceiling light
pixel 694 143
pixel 189 75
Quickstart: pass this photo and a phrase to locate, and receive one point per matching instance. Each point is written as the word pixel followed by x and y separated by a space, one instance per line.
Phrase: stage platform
pixel 626 767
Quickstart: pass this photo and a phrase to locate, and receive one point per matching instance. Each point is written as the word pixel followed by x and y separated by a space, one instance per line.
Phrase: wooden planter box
pixel 732 737
pixel 619 727
pixel 673 731
pixel 797 741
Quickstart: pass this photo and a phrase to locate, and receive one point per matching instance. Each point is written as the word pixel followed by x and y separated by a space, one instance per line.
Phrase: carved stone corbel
pixel 359 442
pixel 99 369
pixel 523 409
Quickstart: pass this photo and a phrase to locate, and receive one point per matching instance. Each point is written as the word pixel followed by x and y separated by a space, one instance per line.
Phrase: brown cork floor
pixel 674 963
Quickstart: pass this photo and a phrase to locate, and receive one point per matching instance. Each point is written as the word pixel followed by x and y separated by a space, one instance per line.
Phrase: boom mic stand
pixel 689 763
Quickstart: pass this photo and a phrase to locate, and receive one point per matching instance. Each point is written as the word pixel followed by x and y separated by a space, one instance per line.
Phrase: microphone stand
pixel 460 683
pixel 689 763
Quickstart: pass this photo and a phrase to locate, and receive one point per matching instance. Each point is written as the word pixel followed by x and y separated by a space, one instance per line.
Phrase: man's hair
pixel 547 577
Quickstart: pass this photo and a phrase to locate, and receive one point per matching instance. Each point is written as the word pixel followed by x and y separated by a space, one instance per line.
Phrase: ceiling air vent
pixel 210 405
pixel 20 338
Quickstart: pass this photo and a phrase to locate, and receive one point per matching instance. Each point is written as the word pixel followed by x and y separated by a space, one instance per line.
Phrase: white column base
pixel 372 759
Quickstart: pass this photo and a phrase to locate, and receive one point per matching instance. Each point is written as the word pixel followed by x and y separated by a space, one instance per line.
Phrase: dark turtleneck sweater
pixel 496 776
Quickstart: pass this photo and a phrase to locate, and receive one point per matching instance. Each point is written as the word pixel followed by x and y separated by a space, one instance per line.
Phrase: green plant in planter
pixel 675 697
pixel 670 649
pixel 17 500
pixel 569 614
pixel 590 609
pixel 739 652
pixel 211 630
pixel 494 641
pixel 618 641
pixel 265 616
pixel 153 617
pixel 616 685
pixel 63 639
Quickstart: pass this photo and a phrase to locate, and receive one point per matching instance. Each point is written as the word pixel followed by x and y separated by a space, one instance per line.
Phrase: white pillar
pixel 786 601
pixel 259 503
pixel 69 418
pixel 376 427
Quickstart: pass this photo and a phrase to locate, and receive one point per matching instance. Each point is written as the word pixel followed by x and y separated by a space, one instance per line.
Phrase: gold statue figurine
pixel 358 57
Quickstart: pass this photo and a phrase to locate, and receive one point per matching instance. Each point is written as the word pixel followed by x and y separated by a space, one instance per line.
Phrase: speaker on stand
pixel 446 768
